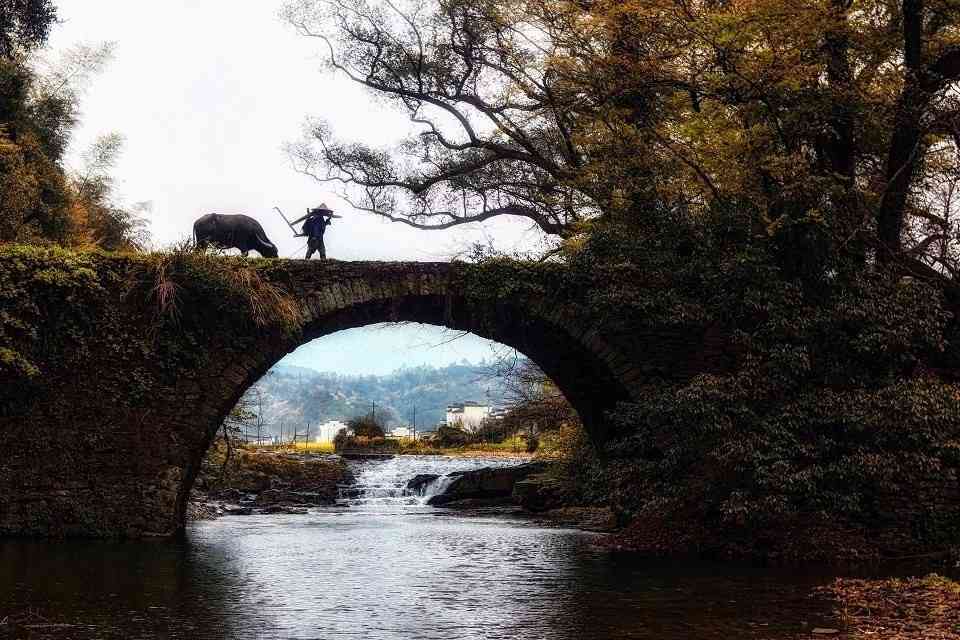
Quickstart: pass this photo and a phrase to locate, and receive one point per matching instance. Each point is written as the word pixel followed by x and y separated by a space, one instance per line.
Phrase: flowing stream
pixel 382 484
pixel 383 565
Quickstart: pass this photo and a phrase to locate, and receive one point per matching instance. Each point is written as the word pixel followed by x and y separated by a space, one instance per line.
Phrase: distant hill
pixel 298 395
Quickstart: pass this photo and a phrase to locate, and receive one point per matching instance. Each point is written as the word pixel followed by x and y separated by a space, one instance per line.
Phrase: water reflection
pixel 359 575
pixel 112 589
pixel 383 571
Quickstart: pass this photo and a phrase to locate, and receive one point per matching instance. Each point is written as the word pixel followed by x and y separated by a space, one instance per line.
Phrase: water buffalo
pixel 226 231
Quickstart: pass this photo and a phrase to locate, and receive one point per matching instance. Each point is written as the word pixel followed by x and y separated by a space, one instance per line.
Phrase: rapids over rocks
pixel 385 483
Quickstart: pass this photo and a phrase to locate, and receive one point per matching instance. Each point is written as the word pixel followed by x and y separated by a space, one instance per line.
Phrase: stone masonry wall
pixel 115 371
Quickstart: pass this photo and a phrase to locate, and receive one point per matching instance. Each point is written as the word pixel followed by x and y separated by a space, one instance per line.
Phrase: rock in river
pixel 419 482
pixel 540 492
pixel 486 483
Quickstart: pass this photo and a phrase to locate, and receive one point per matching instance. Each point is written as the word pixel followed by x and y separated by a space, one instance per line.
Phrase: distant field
pixel 306 447
pixel 512 446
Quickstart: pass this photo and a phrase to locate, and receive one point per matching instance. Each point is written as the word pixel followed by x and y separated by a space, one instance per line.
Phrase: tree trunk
pixel 904 146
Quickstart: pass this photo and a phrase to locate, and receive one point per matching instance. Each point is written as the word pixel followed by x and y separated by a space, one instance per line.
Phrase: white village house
pixel 467 415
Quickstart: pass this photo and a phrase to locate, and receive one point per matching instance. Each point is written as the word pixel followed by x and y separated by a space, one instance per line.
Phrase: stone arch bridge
pixel 117 371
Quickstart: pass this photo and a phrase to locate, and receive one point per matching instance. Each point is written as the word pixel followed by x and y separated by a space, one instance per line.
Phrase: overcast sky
pixel 206 94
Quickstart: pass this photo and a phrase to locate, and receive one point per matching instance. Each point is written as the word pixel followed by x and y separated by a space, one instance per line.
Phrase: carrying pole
pixel 293 228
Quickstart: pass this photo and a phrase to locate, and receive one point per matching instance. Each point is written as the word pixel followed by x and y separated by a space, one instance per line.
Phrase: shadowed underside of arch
pixel 111 445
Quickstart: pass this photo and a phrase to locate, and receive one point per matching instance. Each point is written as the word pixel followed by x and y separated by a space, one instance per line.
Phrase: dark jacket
pixel 315 225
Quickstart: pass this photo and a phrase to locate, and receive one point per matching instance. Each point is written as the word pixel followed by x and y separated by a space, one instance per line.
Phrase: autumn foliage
pixel 42 199
pixel 833 122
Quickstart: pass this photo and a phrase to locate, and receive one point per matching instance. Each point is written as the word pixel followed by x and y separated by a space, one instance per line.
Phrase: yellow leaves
pixel 81 224
pixel 784 106
pixel 19 188
pixel 7 146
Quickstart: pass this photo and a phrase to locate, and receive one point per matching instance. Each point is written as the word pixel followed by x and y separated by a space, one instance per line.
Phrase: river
pixel 386 566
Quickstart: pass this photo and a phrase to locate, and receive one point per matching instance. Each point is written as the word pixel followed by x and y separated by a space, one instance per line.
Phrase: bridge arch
pixel 580 363
pixel 111 433
pixel 586 373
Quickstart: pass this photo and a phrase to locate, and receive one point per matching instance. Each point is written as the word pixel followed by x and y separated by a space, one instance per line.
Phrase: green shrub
pixel 367 426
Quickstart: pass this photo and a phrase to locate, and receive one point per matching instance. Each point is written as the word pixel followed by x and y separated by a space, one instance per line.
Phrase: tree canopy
pixel 25 24
pixel 43 199
pixel 835 122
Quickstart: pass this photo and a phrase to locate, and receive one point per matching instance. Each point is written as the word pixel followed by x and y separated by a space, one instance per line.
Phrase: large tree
pixel 493 138
pixel 836 121
pixel 34 129
pixel 25 24
pixel 40 98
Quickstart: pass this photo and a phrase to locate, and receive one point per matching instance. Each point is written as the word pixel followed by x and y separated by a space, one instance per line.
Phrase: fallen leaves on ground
pixel 898 609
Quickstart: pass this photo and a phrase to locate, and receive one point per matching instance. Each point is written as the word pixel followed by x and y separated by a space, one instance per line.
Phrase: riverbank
pixel 926 608
pixel 658 531
pixel 246 480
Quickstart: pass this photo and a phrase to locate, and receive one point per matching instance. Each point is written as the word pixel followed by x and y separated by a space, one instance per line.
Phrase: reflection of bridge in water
pixel 141 400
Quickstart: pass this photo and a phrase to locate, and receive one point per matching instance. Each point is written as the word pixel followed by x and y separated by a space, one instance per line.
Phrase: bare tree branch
pixel 513 149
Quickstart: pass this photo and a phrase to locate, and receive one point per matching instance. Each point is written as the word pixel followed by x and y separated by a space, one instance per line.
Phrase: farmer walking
pixel 315 223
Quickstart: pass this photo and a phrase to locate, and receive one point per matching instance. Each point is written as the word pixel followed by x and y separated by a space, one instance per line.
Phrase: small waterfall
pixel 437 487
pixel 383 483
pixel 379 483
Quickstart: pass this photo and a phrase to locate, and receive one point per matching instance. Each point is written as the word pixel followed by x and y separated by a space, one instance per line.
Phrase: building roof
pixel 453 408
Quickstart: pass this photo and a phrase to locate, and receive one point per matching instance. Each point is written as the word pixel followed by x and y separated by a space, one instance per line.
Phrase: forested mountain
pixel 295 396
